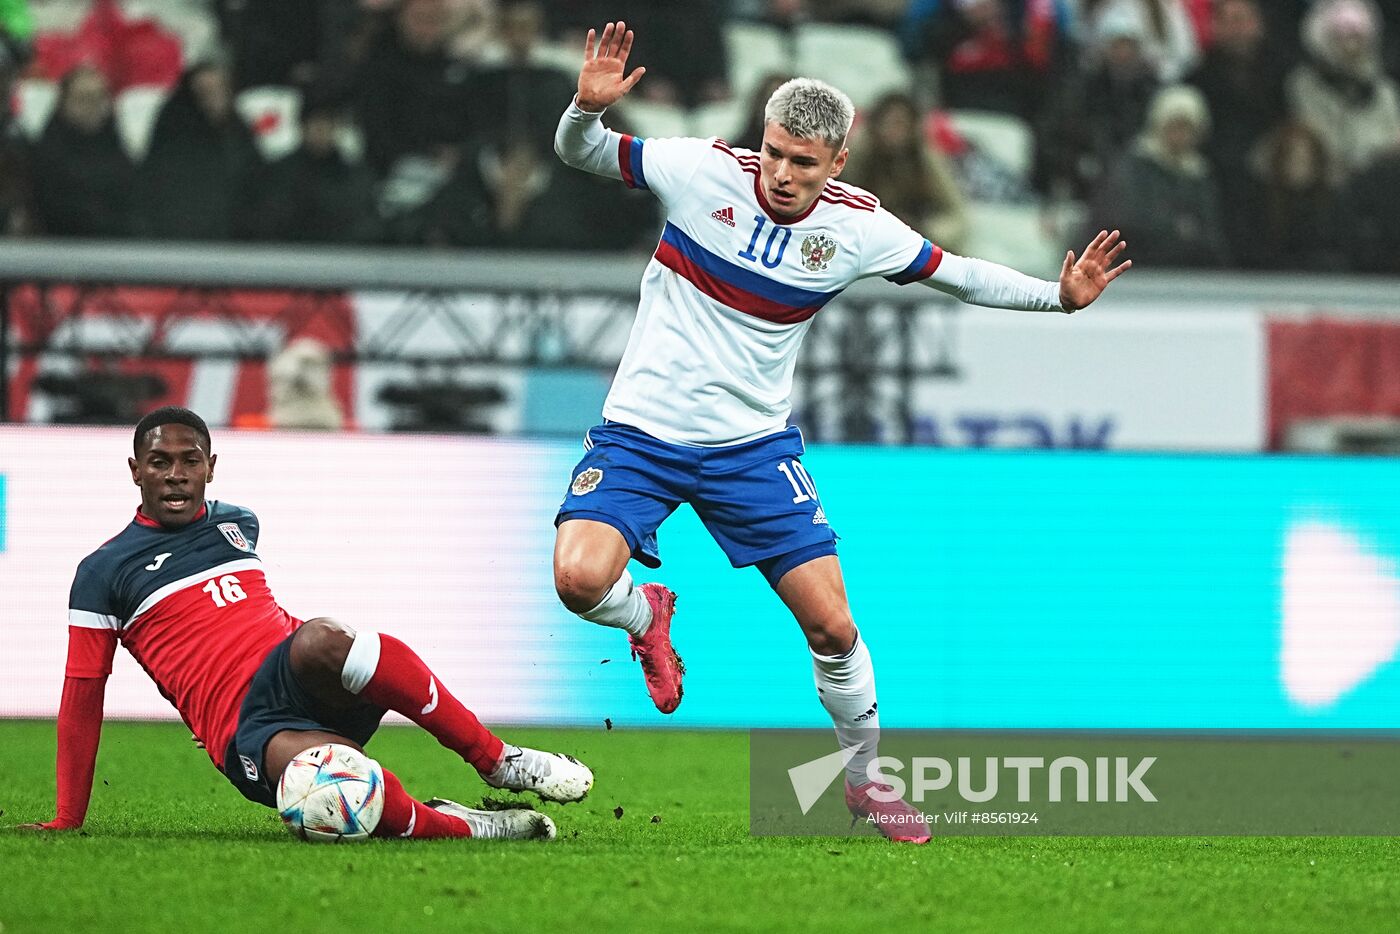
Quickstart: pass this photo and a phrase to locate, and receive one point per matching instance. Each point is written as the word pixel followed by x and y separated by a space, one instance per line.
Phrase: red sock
pixel 405 817
pixel 402 683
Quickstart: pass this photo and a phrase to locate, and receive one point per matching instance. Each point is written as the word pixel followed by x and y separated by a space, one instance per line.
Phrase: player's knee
pixel 832 635
pixel 321 645
pixel 580 586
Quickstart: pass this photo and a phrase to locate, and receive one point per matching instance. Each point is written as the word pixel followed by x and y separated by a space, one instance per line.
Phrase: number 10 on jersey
pixel 773 261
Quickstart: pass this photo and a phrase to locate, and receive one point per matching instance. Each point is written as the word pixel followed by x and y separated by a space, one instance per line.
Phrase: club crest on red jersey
pixel 587 481
pixel 235 536
pixel 817 251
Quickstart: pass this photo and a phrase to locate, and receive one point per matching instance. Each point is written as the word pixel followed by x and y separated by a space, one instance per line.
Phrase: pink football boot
pixel 895 819
pixel 661 666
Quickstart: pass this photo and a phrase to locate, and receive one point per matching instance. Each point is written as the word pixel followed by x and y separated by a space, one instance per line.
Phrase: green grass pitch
pixel 170 846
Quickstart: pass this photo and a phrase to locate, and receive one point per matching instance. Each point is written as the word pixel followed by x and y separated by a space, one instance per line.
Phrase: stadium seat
pixel 351 142
pixel 193 21
pixel 565 57
pixel 1014 235
pixel 273 113
pixel 755 51
pixel 862 61
pixel 648 119
pixel 136 110
pixel 722 119
pixel 59 15
pixel 34 104
pixel 1004 137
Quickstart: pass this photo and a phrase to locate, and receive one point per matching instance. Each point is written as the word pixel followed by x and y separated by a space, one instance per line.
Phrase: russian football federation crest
pixel 817 251
pixel 235 536
pixel 587 481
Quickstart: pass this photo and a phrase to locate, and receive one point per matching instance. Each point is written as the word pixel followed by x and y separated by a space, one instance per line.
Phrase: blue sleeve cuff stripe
pixel 638 175
pixel 911 272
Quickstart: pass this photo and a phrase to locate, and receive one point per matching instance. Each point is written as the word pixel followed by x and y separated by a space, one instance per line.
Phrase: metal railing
pixel 522 310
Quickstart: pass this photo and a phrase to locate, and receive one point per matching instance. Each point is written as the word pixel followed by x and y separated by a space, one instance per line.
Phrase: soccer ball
pixel 331 793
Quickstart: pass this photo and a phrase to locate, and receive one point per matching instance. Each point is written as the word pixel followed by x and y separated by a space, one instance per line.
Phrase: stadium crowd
pixel 1220 133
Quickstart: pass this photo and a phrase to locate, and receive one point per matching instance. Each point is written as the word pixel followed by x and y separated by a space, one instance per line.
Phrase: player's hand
pixel 600 81
pixel 1083 280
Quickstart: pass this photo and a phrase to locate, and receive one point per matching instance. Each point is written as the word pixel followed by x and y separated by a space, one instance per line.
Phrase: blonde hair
pixel 811 109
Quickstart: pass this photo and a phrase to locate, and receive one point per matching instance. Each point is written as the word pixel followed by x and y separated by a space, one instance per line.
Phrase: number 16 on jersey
pixel 224 590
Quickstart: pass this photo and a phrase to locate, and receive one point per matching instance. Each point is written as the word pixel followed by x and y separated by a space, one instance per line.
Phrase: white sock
pixel 622 607
pixel 846 688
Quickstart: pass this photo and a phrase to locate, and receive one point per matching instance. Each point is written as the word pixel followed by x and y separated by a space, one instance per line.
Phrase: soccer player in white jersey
pixel 755 244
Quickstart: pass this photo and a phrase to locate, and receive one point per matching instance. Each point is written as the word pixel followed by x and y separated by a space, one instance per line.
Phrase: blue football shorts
pixel 276 701
pixel 756 499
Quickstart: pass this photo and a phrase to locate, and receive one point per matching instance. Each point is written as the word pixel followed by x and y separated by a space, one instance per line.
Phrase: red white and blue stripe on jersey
pixel 839 195
pixel 629 160
pixel 744 289
pixel 732 285
pixel 922 267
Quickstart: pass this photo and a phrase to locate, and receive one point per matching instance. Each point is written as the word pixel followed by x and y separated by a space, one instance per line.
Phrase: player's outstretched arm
pixel 1084 279
pixel 602 81
pixel 79 732
pixel 992 285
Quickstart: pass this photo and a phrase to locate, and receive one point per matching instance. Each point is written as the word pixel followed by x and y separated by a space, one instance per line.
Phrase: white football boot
pixel 512 824
pixel 551 775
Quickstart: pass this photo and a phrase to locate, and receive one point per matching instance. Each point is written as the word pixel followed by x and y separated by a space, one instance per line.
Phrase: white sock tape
pixel 362 662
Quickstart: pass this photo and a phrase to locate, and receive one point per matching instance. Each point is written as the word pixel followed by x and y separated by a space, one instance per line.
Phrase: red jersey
pixel 191 605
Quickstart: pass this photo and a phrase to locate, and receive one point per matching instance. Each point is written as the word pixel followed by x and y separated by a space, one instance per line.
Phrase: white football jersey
pixel 733 287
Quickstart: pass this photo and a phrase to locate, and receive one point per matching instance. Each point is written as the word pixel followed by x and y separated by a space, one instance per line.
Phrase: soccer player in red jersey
pixel 182 588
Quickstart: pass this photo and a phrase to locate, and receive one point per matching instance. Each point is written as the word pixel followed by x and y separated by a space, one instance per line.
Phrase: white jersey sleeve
pixel 900 254
pixel 664 166
pixel 583 142
pixel 894 250
pixel 992 285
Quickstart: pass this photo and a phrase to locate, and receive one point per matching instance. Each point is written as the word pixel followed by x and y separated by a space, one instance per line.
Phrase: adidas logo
pixel 820 517
pixel 869 713
pixel 724 216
